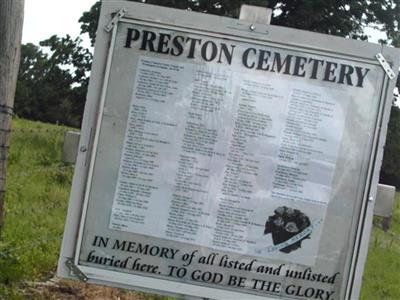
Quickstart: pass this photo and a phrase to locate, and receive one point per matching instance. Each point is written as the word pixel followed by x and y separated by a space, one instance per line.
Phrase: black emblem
pixel 285 224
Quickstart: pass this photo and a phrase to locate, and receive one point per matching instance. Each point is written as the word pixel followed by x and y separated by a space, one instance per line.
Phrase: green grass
pixel 382 271
pixel 38 185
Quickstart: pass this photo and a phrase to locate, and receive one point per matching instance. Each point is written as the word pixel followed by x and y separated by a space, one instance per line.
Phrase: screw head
pixel 83 149
pixel 252 27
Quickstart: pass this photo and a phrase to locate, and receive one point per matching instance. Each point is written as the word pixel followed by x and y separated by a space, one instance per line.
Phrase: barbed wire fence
pixel 5 248
pixel 11 250
pixel 41 130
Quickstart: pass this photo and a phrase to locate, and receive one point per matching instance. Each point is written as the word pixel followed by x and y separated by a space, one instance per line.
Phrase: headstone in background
pixel 255 14
pixel 70 146
pixel 384 204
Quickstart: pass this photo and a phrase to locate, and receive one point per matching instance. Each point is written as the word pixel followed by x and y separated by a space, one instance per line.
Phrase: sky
pixel 44 18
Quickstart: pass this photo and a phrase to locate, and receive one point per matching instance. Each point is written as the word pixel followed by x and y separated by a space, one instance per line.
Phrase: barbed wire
pixel 8 247
pixel 391 233
pixel 38 170
pixel 36 243
pixel 6 109
pixel 4 248
pixel 32 130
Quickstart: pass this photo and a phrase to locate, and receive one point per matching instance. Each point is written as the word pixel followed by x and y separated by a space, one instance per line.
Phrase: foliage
pixel 69 54
pixel 88 25
pixel 52 87
pixel 345 18
pixel 391 159
pixel 42 86
pixel 38 185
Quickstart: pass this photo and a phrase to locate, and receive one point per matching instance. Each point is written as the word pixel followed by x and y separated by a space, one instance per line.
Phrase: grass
pixel 381 278
pixel 38 185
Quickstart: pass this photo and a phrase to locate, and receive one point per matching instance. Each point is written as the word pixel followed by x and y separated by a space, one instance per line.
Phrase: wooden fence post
pixel 11 20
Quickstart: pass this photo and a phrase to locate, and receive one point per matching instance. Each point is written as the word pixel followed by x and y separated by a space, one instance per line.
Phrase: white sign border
pixel 359 51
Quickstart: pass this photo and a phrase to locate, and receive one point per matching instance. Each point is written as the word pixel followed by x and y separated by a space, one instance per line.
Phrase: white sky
pixel 44 18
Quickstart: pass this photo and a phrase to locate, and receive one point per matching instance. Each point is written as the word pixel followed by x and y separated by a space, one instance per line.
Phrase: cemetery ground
pixel 38 185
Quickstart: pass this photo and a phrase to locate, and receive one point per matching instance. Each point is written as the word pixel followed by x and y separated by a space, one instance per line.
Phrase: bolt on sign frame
pixel 228 160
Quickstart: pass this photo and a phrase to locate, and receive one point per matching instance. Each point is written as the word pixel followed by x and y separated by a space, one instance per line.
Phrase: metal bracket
pixel 75 270
pixel 382 60
pixel 115 19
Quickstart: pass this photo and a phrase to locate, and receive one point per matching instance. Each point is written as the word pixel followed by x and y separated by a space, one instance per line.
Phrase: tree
pixel 68 54
pixel 89 21
pixel 33 72
pixel 390 171
pixel 346 18
pixel 62 77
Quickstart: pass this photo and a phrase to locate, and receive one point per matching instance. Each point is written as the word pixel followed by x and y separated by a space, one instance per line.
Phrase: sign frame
pixel 240 30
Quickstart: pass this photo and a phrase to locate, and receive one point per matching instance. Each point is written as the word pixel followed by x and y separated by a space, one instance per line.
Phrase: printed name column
pixel 254 138
pixel 146 149
pixel 309 146
pixel 190 205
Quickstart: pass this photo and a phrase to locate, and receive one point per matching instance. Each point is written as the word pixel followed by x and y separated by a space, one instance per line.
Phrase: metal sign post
pixel 226 161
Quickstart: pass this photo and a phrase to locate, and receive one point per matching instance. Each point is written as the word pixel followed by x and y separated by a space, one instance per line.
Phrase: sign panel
pixel 242 153
pixel 230 164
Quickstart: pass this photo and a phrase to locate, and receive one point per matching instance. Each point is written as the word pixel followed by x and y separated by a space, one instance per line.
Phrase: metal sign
pixel 226 161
